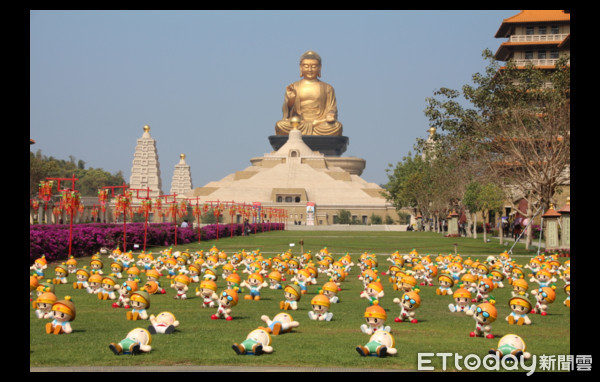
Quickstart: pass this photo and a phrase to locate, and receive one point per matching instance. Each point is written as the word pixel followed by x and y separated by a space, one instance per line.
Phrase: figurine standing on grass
pixel 125 292
pixel 484 287
pixel 207 291
pixel 484 315
pixel 39 266
pixel 138 340
pixel 409 303
pixel 373 292
pixel 255 283
pixel 519 288
pixel 274 279
pixel 180 284
pixel 227 300
pixel 303 278
pixel 63 314
pixel 154 275
pixel 544 297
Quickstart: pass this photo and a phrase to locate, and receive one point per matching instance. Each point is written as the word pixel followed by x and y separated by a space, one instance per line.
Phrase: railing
pixel 538 37
pixel 538 62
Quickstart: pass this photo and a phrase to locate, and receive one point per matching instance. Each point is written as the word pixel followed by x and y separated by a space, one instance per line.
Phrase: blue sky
pixel 211 83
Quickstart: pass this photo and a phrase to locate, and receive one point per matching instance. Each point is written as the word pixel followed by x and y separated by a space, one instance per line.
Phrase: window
pixel 279 199
pixel 554 54
pixel 528 54
pixel 288 199
pixel 529 30
pixel 542 55
pixel 542 30
pixel 554 29
pixel 297 199
pixel 336 219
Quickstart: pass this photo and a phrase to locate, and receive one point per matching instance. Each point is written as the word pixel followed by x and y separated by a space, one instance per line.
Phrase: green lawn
pixel 202 341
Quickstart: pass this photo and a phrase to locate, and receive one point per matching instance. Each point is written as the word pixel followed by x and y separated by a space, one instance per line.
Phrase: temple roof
pixel 532 16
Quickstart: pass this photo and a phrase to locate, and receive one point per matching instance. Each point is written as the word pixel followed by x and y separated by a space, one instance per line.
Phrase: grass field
pixel 202 341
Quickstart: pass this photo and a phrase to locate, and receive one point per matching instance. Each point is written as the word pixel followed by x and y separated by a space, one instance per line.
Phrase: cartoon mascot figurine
pixel 520 307
pixel 137 340
pixel 208 292
pixel 484 314
pixel 320 305
pixel 544 297
pixel 380 345
pixel 140 301
pixel 511 345
pixel 281 323
pixel 409 303
pixel 292 294
pixel 462 298
pixel 227 300
pixel 375 317
pixel 64 313
pixel 257 342
pixel 163 323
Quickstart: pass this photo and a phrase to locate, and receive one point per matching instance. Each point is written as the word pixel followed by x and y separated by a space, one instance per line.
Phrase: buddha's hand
pixel 290 93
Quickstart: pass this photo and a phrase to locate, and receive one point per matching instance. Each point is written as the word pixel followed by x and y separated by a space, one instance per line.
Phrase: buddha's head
pixel 310 65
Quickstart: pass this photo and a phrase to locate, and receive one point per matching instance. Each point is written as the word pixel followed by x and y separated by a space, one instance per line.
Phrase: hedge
pixel 52 240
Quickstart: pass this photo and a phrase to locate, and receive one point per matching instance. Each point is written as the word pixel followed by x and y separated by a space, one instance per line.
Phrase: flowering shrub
pixel 561 252
pixel 52 240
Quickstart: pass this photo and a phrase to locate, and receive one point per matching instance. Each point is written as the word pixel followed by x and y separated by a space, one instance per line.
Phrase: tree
pixel 516 126
pixel 471 201
pixel 491 198
pixel 376 219
pixel 344 217
pixel 409 185
pixel 90 180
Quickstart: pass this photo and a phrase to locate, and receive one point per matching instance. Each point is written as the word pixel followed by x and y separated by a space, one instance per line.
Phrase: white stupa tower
pixel 145 172
pixel 430 145
pixel 182 178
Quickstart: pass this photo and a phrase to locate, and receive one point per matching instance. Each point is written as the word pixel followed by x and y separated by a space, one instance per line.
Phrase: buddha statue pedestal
pixel 325 144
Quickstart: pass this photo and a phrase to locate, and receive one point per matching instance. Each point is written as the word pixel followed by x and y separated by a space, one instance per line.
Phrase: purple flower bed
pixel 53 240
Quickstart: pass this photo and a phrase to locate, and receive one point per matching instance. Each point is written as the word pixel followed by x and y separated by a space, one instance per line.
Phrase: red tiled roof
pixel 533 16
pixel 551 213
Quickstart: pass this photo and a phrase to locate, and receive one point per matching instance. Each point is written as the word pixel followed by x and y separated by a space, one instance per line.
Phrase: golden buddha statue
pixel 310 100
